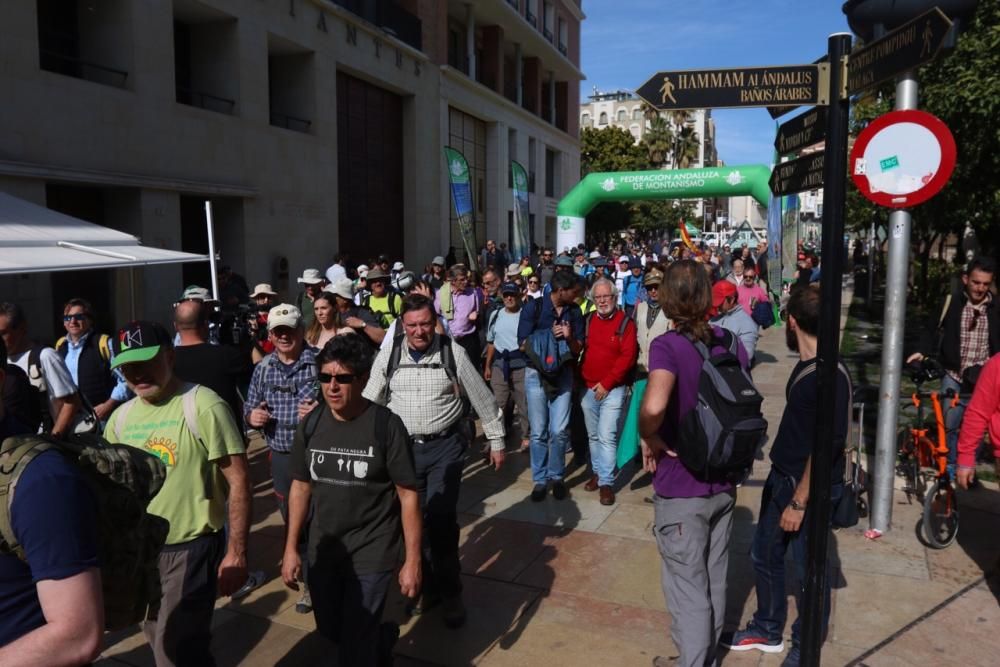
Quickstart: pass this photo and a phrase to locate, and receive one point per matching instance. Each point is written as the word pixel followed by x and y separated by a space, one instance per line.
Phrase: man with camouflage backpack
pixel 192 430
pixel 51 608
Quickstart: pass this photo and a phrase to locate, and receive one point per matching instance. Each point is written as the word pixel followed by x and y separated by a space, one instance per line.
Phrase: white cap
pixel 343 287
pixel 398 266
pixel 263 288
pixel 284 315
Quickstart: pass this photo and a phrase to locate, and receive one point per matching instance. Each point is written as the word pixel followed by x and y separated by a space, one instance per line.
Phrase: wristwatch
pixel 796 506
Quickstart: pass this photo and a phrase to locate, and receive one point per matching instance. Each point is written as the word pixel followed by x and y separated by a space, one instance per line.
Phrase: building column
pixel 552 98
pixel 533 86
pixel 518 75
pixel 470 40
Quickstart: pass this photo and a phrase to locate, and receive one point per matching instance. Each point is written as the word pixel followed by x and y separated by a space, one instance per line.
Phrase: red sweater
pixel 608 358
pixel 983 413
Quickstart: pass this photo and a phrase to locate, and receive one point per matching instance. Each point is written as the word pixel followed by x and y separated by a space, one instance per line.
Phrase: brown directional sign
pixel 777 112
pixel 805 173
pixel 782 86
pixel 803 130
pixel 907 47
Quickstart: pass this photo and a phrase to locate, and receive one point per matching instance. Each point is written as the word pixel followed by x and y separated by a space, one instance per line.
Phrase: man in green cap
pixel 192 430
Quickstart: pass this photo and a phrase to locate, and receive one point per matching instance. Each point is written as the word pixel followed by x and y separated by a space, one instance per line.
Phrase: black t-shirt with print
pixel 356 512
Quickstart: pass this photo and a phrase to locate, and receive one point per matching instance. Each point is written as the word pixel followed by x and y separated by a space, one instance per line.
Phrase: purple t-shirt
pixel 675 353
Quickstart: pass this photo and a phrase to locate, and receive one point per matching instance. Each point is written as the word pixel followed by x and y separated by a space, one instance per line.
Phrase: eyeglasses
pixel 341 378
pixel 532 282
pixel 749 279
pixel 78 317
pixel 509 295
pixel 546 254
pixel 975 319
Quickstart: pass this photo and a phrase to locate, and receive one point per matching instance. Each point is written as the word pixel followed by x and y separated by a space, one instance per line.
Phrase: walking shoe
pixel 305 603
pixel 591 484
pixel 453 612
pixel 749 639
pixel 793 658
pixel 558 489
pixel 255 579
pixel 538 493
pixel 423 603
pixel 607 496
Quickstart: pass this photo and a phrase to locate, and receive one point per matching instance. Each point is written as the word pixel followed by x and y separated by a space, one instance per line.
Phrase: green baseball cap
pixel 139 341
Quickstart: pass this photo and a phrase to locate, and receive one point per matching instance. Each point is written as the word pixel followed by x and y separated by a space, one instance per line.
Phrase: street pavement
pixel 573 582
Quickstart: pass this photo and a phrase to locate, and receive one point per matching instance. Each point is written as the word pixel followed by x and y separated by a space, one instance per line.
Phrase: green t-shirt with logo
pixel 193 497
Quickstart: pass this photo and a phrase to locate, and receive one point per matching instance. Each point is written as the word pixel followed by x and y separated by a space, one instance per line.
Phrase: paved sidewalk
pixel 574 582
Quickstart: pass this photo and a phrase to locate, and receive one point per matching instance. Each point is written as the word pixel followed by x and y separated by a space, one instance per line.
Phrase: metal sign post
pixel 827 357
pixel 211 249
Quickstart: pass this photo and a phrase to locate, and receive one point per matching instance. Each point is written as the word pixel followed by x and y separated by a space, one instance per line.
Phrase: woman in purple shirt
pixel 693 515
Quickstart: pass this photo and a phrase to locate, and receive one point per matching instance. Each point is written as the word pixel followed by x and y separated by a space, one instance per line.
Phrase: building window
pixel 290 84
pixel 531 12
pixel 86 40
pixel 467 134
pixel 532 154
pixel 206 60
pixel 585 120
pixel 551 173
pixel 621 115
pixel 603 119
pixel 637 113
pixel 563 36
pixel 548 20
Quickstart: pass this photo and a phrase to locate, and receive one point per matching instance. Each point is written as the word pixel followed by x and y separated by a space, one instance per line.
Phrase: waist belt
pixel 430 437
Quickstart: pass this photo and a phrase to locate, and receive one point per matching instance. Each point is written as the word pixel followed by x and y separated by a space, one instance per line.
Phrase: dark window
pixel 550 173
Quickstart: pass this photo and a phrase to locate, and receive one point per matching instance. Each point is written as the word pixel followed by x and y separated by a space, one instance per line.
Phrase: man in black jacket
pixel 968 334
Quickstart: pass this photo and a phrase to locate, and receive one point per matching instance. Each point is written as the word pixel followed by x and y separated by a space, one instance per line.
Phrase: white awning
pixel 34 239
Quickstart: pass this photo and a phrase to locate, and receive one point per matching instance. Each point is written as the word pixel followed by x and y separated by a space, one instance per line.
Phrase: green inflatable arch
pixel 751 179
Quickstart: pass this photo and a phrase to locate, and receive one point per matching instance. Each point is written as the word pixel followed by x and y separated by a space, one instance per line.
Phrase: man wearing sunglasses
pixel 425 379
pixel 351 463
pixel 968 332
pixel 88 358
pixel 546 268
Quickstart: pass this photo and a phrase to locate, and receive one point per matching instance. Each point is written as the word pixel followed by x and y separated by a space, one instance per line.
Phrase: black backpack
pixel 720 437
pixel 22 399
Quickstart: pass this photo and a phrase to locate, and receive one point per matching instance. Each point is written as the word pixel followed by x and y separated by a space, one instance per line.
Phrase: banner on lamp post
pixel 520 244
pixel 461 195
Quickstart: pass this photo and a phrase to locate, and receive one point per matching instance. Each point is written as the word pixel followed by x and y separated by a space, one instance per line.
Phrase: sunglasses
pixel 532 282
pixel 78 317
pixel 975 320
pixel 341 378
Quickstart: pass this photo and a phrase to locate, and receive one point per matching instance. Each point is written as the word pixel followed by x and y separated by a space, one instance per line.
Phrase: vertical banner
pixel 520 243
pixel 461 195
pixel 789 236
pixel 774 257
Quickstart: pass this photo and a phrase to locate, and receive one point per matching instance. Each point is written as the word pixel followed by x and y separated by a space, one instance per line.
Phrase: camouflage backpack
pixel 123 480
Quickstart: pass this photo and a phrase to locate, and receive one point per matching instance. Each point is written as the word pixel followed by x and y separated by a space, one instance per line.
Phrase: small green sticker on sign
pixel 889 163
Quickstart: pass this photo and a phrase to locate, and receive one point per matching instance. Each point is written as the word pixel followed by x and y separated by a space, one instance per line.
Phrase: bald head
pixel 187 316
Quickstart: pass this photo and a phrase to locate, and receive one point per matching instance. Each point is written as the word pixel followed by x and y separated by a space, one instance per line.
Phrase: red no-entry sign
pixel 903 158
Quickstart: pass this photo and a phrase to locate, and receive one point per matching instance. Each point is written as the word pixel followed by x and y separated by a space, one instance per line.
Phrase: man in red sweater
pixel 982 414
pixel 609 356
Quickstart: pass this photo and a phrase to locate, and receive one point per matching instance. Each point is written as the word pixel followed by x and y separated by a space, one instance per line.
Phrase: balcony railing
pixel 203 100
pixel 388 16
pixel 513 3
pixel 562 48
pixel 547 34
pixel 531 18
pixel 290 122
pixel 53 61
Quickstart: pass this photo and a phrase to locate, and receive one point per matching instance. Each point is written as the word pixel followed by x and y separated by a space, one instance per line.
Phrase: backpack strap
pixel 944 311
pixel 35 373
pixel 104 347
pixel 61 346
pixel 395 353
pixel 492 323
pixel 15 455
pixel 190 404
pixel 120 416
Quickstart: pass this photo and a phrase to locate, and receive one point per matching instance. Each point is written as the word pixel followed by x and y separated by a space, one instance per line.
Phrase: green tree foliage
pixel 610 149
pixel 659 141
pixel 963 90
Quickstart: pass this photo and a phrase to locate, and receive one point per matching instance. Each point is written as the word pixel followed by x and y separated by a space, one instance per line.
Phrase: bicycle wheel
pixel 940 522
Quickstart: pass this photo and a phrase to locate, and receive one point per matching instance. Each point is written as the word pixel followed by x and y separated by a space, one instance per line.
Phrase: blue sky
pixel 624 42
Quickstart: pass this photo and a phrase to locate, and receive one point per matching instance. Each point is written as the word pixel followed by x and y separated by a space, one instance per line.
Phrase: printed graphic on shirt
pixel 340 466
pixel 164 449
pixel 153 440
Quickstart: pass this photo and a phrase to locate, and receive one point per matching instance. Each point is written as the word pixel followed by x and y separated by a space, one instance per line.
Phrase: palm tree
pixel 659 140
pixel 686 147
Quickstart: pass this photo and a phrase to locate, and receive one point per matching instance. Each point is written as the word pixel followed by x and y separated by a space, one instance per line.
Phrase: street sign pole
pixel 894 319
pixel 827 357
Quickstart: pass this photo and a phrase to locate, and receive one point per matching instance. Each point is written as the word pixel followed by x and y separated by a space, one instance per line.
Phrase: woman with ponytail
pixel 693 515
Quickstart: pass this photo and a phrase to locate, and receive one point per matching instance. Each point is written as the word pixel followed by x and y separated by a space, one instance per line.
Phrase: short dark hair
pixel 803 305
pixel 981 263
pixel 14 314
pixel 563 280
pixel 77 302
pixel 348 350
pixel 414 302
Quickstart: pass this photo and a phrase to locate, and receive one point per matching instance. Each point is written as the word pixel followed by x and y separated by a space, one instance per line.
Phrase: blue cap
pixel 508 288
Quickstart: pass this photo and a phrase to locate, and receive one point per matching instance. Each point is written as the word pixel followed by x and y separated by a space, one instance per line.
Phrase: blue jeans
pixel 770 543
pixel 952 420
pixel 549 425
pixel 603 423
